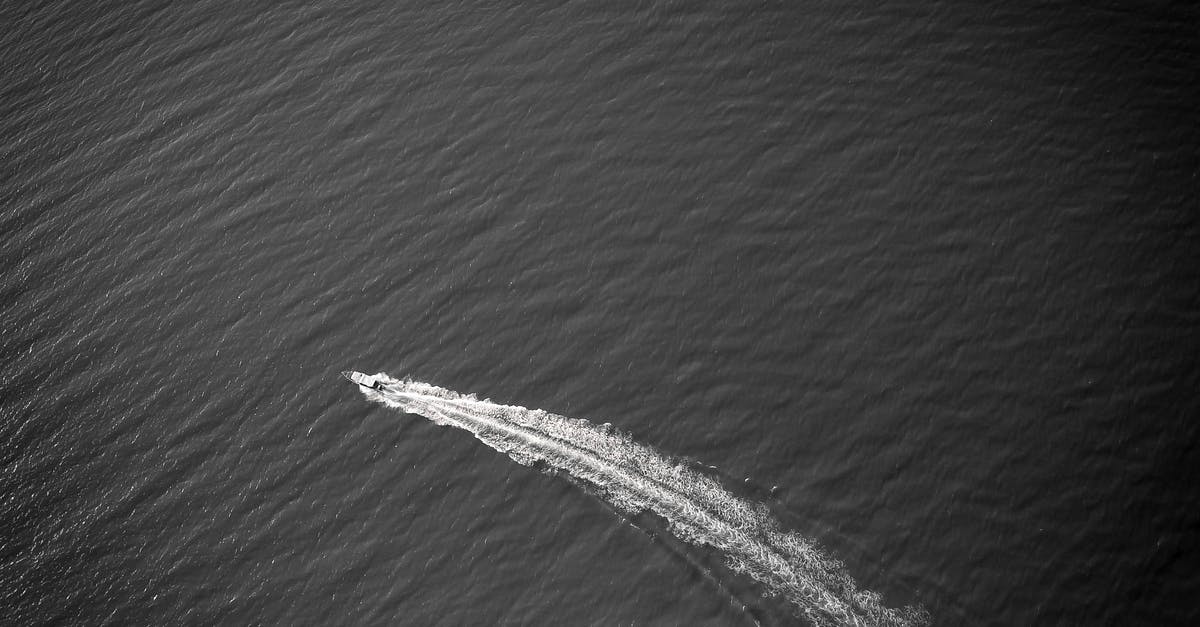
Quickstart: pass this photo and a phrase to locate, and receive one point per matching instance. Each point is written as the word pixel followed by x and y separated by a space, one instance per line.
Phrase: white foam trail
pixel 636 478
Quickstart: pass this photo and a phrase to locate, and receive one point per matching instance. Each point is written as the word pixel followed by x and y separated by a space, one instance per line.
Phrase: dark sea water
pixel 929 270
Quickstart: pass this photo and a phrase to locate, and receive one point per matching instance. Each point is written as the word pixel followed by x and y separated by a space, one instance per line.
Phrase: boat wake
pixel 635 478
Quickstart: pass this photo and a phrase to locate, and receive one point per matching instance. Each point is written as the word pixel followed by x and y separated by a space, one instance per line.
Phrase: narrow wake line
pixel 636 478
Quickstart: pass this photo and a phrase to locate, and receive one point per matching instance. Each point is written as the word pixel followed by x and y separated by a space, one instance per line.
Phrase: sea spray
pixel 635 478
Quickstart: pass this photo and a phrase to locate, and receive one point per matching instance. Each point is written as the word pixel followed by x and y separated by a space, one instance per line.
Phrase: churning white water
pixel 635 478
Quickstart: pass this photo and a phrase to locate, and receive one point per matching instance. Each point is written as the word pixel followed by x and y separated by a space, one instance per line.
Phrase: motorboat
pixel 365 380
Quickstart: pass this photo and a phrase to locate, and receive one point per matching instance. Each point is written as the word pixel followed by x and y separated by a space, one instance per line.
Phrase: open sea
pixel 921 280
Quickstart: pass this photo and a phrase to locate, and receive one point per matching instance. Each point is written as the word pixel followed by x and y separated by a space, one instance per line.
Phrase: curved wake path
pixel 636 478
